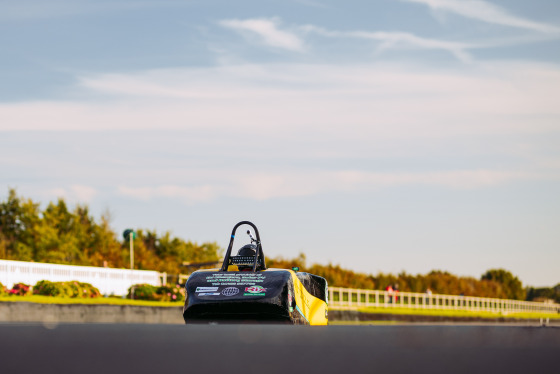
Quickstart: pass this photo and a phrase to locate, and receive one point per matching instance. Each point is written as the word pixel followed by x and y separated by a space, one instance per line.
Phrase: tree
pixel 510 284
pixel 17 219
pixel 105 249
pixel 545 293
pixel 62 235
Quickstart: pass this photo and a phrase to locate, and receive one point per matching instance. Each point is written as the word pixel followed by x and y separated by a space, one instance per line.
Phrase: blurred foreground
pixel 101 348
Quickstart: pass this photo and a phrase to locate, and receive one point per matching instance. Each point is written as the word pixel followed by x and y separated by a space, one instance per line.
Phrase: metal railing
pixel 109 281
pixel 348 298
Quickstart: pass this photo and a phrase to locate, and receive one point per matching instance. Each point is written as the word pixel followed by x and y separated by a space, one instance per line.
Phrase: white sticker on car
pixel 206 289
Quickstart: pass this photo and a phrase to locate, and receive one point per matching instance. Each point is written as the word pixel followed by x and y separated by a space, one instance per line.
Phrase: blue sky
pixel 390 135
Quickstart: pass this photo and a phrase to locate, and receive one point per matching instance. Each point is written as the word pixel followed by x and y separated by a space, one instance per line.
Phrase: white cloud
pixel 300 117
pixel 365 101
pixel 74 193
pixel 399 40
pixel 487 12
pixel 268 32
pixel 264 186
pixel 83 193
pixel 186 194
pixel 297 113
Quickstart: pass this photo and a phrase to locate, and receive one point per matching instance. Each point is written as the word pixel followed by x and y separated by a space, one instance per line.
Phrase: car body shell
pixel 269 296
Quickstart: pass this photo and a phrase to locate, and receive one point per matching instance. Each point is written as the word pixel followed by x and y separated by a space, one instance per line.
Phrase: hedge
pixel 155 293
pixel 20 289
pixel 73 289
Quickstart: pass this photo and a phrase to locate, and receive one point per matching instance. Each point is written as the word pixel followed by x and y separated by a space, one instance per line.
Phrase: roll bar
pixel 258 255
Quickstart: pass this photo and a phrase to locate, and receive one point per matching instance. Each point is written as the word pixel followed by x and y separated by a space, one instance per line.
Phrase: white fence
pixel 108 281
pixel 353 298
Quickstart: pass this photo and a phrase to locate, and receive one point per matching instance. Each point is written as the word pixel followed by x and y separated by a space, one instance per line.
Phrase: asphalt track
pixel 170 349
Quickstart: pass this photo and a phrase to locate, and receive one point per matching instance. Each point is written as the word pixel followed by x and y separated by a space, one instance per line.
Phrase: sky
pixel 382 136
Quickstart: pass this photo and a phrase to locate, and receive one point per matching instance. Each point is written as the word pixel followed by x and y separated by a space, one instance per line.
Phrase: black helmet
pixel 248 250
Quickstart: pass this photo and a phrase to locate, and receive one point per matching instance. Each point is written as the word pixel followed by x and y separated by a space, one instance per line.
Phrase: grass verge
pixel 96 301
pixel 454 313
pixel 373 310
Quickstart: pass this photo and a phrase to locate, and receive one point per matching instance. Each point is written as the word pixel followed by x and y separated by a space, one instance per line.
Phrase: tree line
pixel 61 235
pixel 495 283
pixel 498 283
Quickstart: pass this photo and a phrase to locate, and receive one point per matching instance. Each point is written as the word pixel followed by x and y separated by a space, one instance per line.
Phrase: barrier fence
pixel 109 281
pixel 117 281
pixel 349 298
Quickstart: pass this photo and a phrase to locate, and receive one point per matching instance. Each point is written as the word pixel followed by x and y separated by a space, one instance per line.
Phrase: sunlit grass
pixel 95 301
pixel 454 313
pixel 401 311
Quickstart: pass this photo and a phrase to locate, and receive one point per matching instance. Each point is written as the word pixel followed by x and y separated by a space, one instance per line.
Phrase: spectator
pixel 389 290
pixel 428 296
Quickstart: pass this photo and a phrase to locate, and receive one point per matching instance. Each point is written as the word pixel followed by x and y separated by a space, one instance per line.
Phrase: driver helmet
pixel 247 250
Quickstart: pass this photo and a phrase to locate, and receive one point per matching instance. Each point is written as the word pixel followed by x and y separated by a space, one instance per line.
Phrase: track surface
pixel 169 349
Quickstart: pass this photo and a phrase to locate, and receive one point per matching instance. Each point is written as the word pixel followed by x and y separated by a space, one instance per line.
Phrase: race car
pixel 244 290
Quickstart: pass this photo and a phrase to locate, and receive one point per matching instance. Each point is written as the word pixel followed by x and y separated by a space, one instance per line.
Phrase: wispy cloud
pixel 486 12
pixel 188 195
pixel 74 193
pixel 398 40
pixel 264 186
pixel 395 101
pixel 268 32
pixel 296 113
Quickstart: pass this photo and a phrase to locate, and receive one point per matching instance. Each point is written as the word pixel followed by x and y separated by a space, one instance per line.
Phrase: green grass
pixel 401 311
pixel 455 313
pixel 97 301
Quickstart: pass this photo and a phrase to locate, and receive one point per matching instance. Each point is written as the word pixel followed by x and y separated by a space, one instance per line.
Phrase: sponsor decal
pixel 206 289
pixel 255 289
pixel 208 294
pixel 230 291
pixel 235 279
